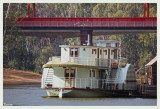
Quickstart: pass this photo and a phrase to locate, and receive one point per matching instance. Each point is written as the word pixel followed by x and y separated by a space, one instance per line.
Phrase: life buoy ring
pixel 114 64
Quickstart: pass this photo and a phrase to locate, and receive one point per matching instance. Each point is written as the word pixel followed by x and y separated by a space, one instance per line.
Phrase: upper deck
pixel 101 54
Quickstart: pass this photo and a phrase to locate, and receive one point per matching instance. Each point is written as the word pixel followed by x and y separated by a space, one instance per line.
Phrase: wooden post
pixel 60 93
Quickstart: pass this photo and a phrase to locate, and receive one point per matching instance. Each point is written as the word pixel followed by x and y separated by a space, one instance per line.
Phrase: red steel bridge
pixel 86 25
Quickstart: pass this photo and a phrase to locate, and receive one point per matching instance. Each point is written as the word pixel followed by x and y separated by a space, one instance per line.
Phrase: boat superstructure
pixel 88 71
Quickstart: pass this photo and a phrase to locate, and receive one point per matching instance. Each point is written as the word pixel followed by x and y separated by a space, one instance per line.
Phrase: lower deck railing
pixel 85 83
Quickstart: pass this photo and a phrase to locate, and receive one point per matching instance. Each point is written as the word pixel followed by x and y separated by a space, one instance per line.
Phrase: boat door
pixel 74 54
pixel 115 53
pixel 98 56
pixel 69 75
pixel 108 56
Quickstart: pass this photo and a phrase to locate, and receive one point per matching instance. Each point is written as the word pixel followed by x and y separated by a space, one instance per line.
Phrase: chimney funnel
pixel 89 42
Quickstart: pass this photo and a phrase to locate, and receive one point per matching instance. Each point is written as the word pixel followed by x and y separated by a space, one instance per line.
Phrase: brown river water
pixel 32 95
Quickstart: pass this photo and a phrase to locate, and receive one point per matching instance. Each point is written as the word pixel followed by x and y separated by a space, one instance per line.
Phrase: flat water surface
pixel 32 95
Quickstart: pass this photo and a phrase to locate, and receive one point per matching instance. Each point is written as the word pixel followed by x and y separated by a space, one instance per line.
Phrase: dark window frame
pixel 94 73
pixel 74 53
pixel 93 51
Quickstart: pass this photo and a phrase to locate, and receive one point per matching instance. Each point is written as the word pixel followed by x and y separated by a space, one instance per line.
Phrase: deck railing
pixel 83 83
pixel 100 62
pixel 97 62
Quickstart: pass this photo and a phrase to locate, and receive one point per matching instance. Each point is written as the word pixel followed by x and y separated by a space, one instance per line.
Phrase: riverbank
pixel 12 76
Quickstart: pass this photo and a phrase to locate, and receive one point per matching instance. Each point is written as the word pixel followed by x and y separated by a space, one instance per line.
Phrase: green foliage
pixel 144 58
pixel 13 64
pixel 139 49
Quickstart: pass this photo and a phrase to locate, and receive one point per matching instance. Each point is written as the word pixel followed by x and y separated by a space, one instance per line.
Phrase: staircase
pixel 112 77
pixel 150 90
pixel 49 78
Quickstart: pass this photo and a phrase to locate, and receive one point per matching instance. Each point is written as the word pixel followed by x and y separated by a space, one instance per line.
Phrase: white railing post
pixel 80 82
pixel 42 83
pixel 85 83
pixel 52 82
pixel 72 82
pixel 91 83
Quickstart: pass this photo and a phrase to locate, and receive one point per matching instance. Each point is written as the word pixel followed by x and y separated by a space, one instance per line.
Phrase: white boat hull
pixel 78 93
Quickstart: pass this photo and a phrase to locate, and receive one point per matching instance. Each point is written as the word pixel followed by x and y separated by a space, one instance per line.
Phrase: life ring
pixel 114 64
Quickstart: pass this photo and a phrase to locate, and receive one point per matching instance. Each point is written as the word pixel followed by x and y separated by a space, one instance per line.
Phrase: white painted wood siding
pixel 58 81
pixel 64 54
pixel 84 56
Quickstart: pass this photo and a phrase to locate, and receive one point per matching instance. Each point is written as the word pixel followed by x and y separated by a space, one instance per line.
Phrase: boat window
pixel 76 52
pixel 105 52
pixel 90 73
pixel 93 73
pixel 99 74
pixel 72 73
pixel 116 44
pixel 73 52
pixel 93 51
pixel 112 52
pixel 66 73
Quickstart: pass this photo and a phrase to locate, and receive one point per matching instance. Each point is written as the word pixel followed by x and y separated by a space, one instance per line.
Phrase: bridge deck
pixel 88 22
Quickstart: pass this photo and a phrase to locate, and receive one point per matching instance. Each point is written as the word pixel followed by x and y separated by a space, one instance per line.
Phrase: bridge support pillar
pixel 144 10
pixel 147 9
pixel 85 36
pixel 29 9
pixel 34 13
pixel 59 41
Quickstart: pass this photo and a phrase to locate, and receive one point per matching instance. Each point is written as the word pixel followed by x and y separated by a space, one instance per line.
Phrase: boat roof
pixel 84 46
pixel 105 41
pixel 152 61
pixel 68 64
